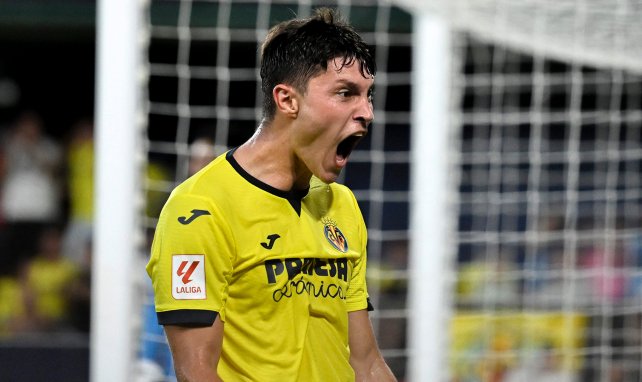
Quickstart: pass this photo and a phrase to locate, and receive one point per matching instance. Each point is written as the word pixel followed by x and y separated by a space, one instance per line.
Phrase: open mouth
pixel 347 145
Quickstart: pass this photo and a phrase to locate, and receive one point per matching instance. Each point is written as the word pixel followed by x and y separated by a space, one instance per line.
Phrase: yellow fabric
pixel 285 308
pixel 11 304
pixel 50 282
pixel 81 180
pixel 154 198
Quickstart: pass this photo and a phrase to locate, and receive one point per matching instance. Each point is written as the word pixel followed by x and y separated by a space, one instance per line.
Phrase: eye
pixel 343 93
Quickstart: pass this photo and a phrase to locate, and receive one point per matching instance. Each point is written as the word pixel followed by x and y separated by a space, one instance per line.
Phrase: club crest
pixel 334 235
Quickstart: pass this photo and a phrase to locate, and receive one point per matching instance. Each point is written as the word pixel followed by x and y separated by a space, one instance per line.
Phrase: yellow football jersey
pixel 281 269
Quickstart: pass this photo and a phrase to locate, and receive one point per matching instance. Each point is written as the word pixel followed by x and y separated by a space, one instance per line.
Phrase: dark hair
pixel 296 50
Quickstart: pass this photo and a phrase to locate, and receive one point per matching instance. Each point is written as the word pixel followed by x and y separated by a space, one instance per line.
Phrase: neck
pixel 269 156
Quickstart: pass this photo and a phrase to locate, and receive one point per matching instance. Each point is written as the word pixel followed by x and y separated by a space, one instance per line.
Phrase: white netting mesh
pixel 548 259
pixel 550 153
pixel 592 32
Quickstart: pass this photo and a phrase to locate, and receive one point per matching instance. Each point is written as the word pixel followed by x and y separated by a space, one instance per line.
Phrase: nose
pixel 364 112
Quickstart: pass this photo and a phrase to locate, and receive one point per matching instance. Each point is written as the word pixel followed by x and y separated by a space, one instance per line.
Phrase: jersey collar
pixel 294 197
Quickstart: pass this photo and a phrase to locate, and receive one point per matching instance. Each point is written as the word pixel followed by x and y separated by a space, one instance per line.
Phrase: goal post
pixel 431 222
pixel 119 117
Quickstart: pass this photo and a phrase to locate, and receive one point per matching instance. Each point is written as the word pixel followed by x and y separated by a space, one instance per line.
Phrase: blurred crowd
pixel 46 211
pixel 565 309
pixel 589 266
pixel 46 215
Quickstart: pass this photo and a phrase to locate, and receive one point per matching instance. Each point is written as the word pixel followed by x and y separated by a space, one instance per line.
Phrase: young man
pixel 258 261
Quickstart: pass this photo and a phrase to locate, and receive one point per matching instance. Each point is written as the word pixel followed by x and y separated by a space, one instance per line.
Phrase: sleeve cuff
pixel 187 317
pixel 370 306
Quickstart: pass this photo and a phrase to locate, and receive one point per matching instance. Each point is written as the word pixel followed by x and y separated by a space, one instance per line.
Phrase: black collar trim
pixel 294 197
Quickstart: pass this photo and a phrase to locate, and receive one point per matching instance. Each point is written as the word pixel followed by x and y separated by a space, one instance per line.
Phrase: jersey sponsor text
pixel 321 267
pixel 331 268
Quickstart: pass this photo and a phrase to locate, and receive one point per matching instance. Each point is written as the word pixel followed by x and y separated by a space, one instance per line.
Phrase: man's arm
pixel 365 358
pixel 196 351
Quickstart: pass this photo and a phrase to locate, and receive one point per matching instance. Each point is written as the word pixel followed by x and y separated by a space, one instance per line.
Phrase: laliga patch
pixel 188 277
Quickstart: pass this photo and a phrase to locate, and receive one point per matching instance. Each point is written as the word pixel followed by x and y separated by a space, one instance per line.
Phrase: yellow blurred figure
pixel 12 309
pixel 80 163
pixel 47 281
pixel 80 183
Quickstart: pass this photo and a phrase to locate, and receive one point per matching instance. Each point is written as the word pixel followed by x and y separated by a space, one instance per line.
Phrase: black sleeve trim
pixel 370 306
pixel 187 317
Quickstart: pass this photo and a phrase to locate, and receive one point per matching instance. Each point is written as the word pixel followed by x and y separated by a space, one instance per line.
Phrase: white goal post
pixel 431 224
pixel 119 121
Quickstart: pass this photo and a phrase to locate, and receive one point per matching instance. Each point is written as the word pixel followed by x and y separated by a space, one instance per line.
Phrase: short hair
pixel 294 51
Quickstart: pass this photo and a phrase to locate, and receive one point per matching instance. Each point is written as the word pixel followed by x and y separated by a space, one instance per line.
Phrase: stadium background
pixel 47 66
pixel 509 273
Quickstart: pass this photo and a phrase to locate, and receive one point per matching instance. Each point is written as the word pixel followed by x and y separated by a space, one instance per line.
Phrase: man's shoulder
pixel 215 175
pixel 203 188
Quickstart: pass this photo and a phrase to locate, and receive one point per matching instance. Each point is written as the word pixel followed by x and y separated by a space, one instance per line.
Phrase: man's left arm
pixel 365 357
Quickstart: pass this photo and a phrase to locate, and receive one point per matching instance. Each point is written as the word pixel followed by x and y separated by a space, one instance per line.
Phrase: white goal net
pixel 546 156
pixel 547 272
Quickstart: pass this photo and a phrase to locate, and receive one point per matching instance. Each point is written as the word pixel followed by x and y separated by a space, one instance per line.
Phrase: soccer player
pixel 259 259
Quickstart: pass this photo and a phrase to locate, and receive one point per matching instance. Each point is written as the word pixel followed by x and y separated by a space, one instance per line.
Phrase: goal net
pixel 544 261
pixel 547 271
pixel 545 155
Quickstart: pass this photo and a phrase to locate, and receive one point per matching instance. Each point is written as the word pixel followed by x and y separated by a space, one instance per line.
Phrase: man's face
pixel 334 114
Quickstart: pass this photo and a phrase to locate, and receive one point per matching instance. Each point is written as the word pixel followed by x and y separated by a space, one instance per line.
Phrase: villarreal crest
pixel 334 235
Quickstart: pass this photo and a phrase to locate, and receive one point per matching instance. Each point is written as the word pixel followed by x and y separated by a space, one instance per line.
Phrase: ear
pixel 285 98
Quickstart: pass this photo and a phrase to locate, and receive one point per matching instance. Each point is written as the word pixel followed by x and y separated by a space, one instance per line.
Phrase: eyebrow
pixel 353 86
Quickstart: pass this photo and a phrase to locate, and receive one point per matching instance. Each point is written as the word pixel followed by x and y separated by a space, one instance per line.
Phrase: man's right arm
pixel 196 351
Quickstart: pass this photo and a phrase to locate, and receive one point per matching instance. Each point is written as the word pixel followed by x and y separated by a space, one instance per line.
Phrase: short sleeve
pixel 357 296
pixel 191 262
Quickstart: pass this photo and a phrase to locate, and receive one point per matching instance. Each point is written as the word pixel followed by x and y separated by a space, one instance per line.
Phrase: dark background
pixel 47 50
